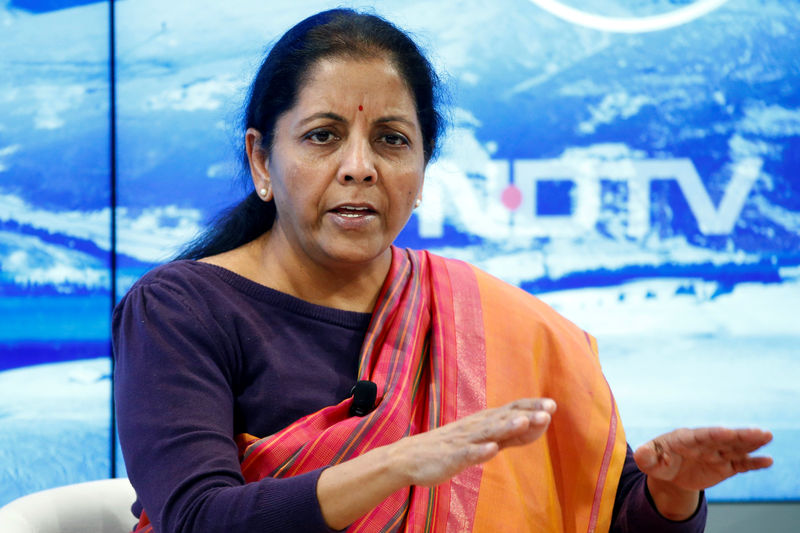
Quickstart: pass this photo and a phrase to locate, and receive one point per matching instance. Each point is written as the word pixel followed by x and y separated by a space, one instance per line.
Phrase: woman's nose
pixel 358 164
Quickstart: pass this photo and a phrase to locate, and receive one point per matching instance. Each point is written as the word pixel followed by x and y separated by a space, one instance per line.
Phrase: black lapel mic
pixel 364 394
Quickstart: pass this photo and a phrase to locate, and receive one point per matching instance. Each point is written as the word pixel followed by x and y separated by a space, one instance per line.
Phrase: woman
pixel 235 365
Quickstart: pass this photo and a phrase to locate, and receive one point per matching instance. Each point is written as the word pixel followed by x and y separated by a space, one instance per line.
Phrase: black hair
pixel 337 33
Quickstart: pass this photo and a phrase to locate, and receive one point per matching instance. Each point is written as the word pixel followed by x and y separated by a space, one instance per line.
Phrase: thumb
pixel 646 456
pixel 653 459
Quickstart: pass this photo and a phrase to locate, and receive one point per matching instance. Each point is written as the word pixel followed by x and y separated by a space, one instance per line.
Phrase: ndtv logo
pixel 486 204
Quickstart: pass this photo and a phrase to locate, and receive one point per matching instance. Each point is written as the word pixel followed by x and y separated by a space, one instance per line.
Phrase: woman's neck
pixel 350 287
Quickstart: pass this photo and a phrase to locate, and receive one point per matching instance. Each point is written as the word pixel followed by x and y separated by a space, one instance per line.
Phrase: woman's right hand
pixel 349 490
pixel 435 456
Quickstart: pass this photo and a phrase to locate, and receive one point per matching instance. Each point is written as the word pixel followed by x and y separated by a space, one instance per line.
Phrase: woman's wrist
pixel 349 490
pixel 673 502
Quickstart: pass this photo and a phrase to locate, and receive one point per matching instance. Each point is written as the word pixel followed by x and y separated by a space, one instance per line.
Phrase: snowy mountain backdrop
pixel 645 184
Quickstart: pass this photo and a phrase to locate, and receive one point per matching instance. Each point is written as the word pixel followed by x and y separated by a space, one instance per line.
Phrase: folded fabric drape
pixel 447 340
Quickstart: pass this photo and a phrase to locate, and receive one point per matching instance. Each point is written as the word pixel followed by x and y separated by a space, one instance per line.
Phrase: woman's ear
pixel 259 164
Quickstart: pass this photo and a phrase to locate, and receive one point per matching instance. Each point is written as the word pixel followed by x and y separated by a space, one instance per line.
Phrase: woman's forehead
pixel 342 84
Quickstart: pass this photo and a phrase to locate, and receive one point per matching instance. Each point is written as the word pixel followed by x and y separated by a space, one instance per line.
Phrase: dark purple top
pixel 203 354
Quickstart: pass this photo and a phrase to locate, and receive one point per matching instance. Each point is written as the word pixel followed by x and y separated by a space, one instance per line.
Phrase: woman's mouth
pixel 354 217
pixel 353 211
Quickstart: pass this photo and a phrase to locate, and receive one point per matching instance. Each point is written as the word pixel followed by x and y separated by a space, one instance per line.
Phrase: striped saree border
pixel 612 443
pixel 603 475
pixel 469 378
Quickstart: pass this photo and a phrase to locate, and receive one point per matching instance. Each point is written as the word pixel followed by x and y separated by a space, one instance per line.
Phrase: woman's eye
pixel 395 139
pixel 320 136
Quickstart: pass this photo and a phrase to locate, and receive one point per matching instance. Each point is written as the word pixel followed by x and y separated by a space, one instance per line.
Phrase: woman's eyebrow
pixel 324 114
pixel 338 118
pixel 396 118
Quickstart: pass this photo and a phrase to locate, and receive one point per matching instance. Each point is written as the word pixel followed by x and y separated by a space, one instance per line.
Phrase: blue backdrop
pixel 633 162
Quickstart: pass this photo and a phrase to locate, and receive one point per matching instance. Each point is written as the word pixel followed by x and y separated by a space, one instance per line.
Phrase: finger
pixel 743 443
pixel 479 453
pixel 516 423
pixel 725 447
pixel 714 442
pixel 734 455
pixel 548 404
pixel 533 404
pixel 538 419
pixel 538 412
pixel 510 410
pixel 522 429
pixel 503 422
pixel 489 427
pixel 750 439
pixel 741 438
pixel 533 432
pixel 747 464
pixel 645 456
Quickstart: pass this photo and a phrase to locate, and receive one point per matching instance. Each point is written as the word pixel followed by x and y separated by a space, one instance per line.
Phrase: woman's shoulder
pixel 184 282
pixel 506 298
pixel 176 274
pixel 487 282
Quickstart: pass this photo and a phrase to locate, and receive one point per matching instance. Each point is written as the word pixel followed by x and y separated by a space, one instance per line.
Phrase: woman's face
pixel 346 165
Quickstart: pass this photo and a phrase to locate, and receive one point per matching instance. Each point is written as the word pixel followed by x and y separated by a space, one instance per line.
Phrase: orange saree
pixel 447 340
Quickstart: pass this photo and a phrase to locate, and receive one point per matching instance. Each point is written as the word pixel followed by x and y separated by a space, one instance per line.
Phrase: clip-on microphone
pixel 364 394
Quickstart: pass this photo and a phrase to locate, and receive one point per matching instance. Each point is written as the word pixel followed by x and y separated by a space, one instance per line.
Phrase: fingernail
pixel 540 417
pixel 548 405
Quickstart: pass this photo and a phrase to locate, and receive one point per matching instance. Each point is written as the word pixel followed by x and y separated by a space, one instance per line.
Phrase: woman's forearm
pixel 349 490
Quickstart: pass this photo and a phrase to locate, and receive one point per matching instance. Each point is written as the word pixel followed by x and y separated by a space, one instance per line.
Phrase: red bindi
pixel 361 108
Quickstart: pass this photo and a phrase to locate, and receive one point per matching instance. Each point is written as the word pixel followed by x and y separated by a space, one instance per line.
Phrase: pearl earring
pixel 263 192
pixel 417 203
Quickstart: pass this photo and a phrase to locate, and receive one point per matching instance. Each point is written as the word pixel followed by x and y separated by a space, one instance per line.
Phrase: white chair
pixel 96 506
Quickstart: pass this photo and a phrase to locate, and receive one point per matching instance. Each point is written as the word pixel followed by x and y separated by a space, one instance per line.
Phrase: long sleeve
pixel 174 389
pixel 634 510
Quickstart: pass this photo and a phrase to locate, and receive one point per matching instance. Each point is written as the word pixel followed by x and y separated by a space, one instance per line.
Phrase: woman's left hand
pixel 683 462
